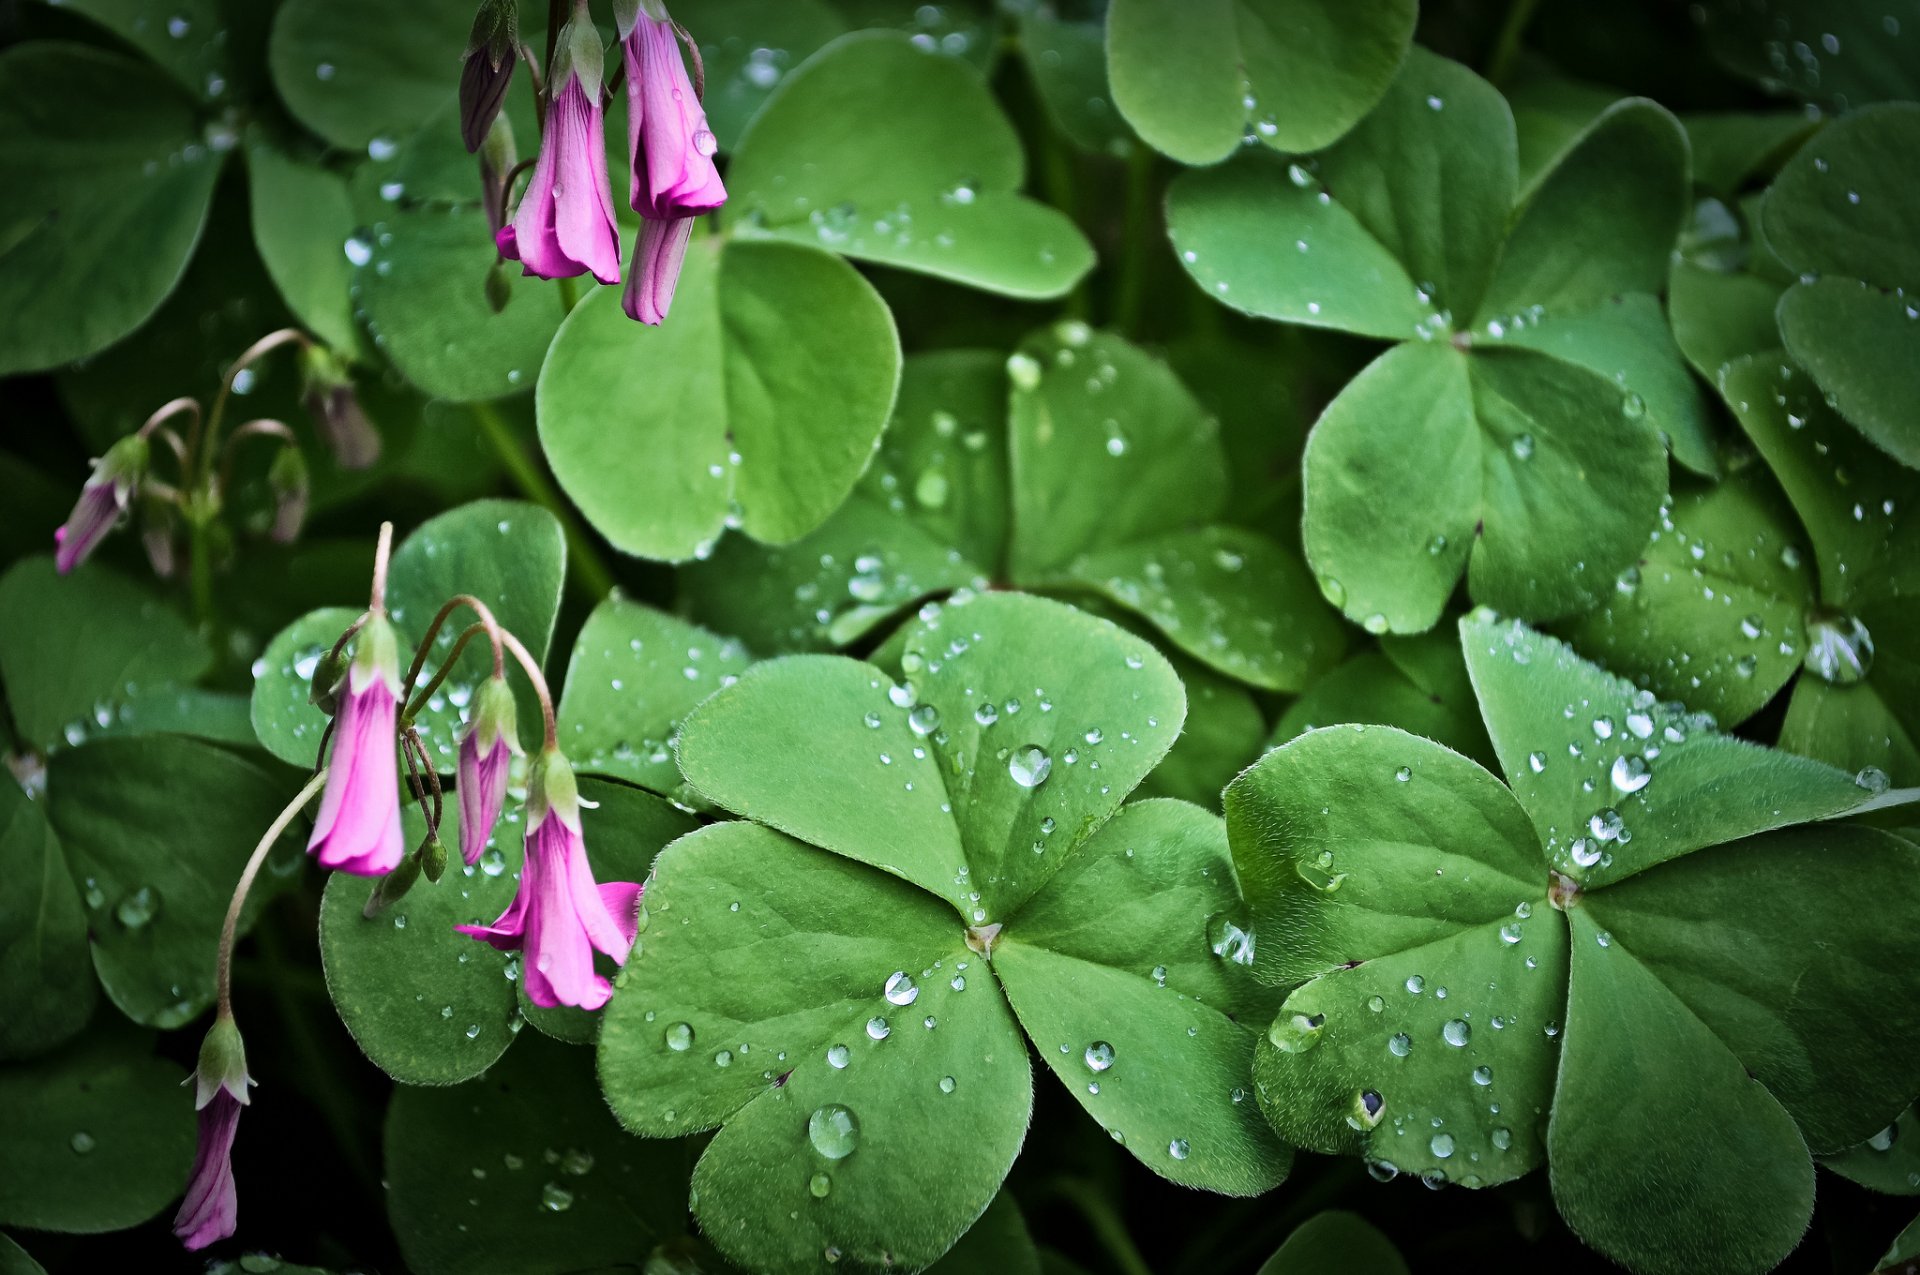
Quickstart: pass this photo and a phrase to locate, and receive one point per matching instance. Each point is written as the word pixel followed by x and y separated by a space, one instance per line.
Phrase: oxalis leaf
pixel 1841 216
pixel 98 150
pixel 510 555
pixel 1857 704
pixel 1112 477
pixel 1525 410
pixel 1197 78
pixel 1622 947
pixel 47 988
pixel 759 405
pixel 951 874
pixel 928 182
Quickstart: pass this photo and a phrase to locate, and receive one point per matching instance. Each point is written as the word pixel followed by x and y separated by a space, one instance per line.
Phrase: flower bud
pixel 392 887
pixel 103 499
pixel 223 1063
pixel 335 408
pixel 487 70
pixel 292 490
pixel 433 857
pixel 324 693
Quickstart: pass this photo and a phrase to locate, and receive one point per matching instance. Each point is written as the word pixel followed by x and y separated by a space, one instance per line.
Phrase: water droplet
pixel 900 989
pixel 1416 984
pixel 924 719
pixel 1839 648
pixel 1441 1145
pixel 1501 1138
pixel 1403 774
pixel 1522 447
pixel 1400 1044
pixel 1099 1056
pixel 1024 371
pixel 834 1131
pixel 1483 1075
pixel 1178 1148
pixel 555 1198
pixel 1536 762
pixel 1296 1033
pixel 1633 407
pixel 1631 773
pixel 81 1142
pixel 819 1185
pixel 1456 1032
pixel 138 908
pixel 838 1057
pixel 1377 1004
pixel 1029 766
pixel 1228 940
pixel 680 1037
pixel 877 1028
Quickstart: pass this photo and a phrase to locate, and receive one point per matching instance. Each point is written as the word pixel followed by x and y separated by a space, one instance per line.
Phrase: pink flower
pixel 103 500
pixel 560 915
pixel 485 753
pixel 564 225
pixel 210 1209
pixel 672 147
pixel 658 253
pixel 358 827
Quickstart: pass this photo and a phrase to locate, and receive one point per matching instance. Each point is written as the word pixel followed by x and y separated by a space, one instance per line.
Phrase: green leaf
pixel 15 1260
pixel 284 717
pixel 510 555
pixel 1861 707
pixel 422 293
pixel 1297 73
pixel 926 184
pixel 1732 147
pixel 1502 460
pixel 764 396
pixel 1617 782
pixel 1109 968
pixel 1888 1161
pixel 1905 1249
pixel 1335 1243
pixel 1628 340
pixel 302 218
pixel 96 151
pixel 155 830
pixel 99 1135
pixel 187 38
pixel 427 1005
pixel 525 1171
pixel 1745 939
pixel 999 1242
pixel 1224 732
pixel 1841 215
pixel 1418 684
pixel 1601 222
pixel 1718 317
pixel 360 73
pixel 1742 1199
pixel 635 673
pixel 749 47
pixel 1067 58
pixel 75 650
pixel 823 1122
pixel 1846 54
pixel 47 988
pixel 1712 612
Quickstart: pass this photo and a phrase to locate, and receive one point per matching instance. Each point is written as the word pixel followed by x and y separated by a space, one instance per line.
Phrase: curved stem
pixel 584 562
pixel 378 604
pixel 446 667
pixel 1507 47
pixel 487 622
pixel 223 971
pixel 539 680
pixel 167 411
pixel 265 345
pixel 260 428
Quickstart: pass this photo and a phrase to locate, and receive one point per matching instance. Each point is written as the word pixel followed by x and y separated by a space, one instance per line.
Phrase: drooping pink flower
pixel 672 148
pixel 103 500
pixel 211 1208
pixel 564 225
pixel 485 753
pixel 334 405
pixel 492 49
pixel 659 250
pixel 358 827
pixel 560 915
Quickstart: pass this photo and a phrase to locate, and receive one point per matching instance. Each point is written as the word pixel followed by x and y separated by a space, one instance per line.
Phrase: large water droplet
pixel 555 1198
pixel 680 1037
pixel 138 908
pixel 1839 648
pixel 1631 773
pixel 834 1131
pixel 838 1057
pixel 1456 1032
pixel 1296 1033
pixel 1099 1056
pixel 1030 766
pixel 900 989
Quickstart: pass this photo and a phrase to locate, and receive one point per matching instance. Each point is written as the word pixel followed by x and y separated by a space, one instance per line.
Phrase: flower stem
pixel 584 563
pixel 487 622
pixel 539 680
pixel 1142 239
pixel 203 455
pixel 223 971
pixel 1107 1227
pixel 378 604
pixel 412 709
pixel 1507 46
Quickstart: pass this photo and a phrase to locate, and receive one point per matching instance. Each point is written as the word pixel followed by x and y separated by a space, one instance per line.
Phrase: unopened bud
pixel 292 490
pixel 324 694
pixel 159 526
pixel 392 887
pixel 433 856
pixel 499 287
pixel 487 72
pixel 335 408
pixel 223 1063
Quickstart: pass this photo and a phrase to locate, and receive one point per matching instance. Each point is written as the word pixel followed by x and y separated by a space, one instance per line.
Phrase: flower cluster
pixel 559 916
pixel 564 224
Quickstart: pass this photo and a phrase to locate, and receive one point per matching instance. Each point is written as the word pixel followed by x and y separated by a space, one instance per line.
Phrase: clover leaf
pixel 928 182
pixel 1888 1161
pixel 1841 215
pixel 1857 705
pixel 1418 683
pixel 1294 73
pixel 47 988
pixel 759 404
pixel 1635 961
pixel 1516 431
pixel 1844 54
pixel 846 985
pixel 1335 1243
pixel 1112 477
pixel 97 148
